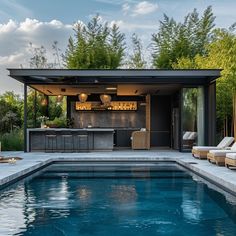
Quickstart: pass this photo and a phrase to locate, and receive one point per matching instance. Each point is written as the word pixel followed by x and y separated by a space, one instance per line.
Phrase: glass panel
pixel 193 117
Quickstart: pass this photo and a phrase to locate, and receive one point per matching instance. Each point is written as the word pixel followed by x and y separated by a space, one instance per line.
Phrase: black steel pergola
pixel 185 78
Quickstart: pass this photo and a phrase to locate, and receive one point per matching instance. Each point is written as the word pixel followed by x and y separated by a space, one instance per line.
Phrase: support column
pixel 25 118
pixel 148 118
pixel 35 109
pixel 211 114
pixel 47 106
pixel 180 120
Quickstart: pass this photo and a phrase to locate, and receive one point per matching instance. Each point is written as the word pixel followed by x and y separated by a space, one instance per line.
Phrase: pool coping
pixel 216 175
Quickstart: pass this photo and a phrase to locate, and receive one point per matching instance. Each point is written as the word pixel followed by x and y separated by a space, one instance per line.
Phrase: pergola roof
pixel 144 76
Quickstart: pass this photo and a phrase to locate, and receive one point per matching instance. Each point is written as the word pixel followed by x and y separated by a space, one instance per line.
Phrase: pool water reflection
pixel 75 199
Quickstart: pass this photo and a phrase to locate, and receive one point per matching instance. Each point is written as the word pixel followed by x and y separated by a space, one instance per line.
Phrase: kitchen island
pixel 69 140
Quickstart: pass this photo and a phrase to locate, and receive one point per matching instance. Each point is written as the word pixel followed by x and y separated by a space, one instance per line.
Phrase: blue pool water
pixel 74 199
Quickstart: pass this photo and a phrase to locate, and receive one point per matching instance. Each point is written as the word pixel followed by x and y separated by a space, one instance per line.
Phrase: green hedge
pixel 13 141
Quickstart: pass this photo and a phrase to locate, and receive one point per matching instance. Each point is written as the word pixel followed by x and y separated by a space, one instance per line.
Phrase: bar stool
pixel 67 138
pixel 50 142
pixel 81 142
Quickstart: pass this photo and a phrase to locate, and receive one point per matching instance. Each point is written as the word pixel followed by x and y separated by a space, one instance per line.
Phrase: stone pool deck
pixel 221 176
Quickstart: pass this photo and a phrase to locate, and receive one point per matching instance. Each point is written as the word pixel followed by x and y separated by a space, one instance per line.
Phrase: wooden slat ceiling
pixel 120 89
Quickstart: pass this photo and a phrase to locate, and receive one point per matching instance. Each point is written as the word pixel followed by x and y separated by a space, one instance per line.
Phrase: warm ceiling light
pixel 83 97
pixel 111 88
pixel 105 98
pixel 44 101
pixel 59 98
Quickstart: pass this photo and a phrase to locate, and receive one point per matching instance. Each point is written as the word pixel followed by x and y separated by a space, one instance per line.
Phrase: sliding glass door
pixel 192 117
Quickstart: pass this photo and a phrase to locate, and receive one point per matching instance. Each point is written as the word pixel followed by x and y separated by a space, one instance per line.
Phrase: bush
pixel 58 122
pixel 13 141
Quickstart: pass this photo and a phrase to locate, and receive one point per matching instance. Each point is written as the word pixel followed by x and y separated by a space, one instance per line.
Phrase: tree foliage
pixel 136 59
pixel 39 57
pixel 221 53
pixel 95 46
pixel 11 112
pixel 176 40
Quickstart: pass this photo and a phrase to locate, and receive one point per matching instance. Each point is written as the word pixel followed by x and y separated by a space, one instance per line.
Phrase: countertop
pixel 69 129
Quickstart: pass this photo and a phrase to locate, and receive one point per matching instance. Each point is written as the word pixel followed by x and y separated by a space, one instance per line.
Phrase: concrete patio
pixel 221 176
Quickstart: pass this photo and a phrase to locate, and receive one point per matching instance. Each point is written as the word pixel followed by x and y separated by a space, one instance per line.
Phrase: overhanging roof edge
pixel 19 74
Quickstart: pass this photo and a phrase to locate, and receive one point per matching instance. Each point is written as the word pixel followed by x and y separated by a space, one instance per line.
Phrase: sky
pixel 42 22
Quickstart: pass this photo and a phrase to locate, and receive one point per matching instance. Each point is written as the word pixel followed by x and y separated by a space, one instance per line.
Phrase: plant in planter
pixel 58 122
pixel 43 120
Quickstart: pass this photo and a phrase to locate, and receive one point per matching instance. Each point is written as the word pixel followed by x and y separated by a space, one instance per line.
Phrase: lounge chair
pixel 140 139
pixel 189 138
pixel 202 151
pixel 218 156
pixel 230 160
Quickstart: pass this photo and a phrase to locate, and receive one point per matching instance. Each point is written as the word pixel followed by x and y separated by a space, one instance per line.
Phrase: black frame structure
pixel 185 78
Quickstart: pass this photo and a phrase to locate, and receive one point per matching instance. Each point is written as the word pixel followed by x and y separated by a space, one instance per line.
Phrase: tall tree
pixel 221 54
pixel 38 58
pixel 95 46
pixel 175 40
pixel 136 59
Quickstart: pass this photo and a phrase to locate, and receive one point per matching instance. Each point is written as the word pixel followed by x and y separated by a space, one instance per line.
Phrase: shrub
pixel 58 122
pixel 13 141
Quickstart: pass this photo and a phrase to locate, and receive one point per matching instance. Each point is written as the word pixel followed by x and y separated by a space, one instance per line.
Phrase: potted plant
pixel 43 120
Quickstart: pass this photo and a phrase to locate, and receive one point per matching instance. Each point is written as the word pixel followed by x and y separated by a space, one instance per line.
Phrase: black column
pixel 180 120
pixel 211 114
pixel 25 117
pixel 68 107
pixel 47 106
pixel 35 109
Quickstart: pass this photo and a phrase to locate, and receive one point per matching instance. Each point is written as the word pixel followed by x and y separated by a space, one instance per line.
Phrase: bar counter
pixel 66 140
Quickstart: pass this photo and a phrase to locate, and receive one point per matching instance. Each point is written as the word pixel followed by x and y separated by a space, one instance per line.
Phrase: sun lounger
pixel 218 156
pixel 202 151
pixel 230 160
pixel 189 138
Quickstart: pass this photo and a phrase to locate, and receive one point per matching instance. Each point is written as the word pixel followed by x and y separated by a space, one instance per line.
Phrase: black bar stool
pixel 50 142
pixel 67 139
pixel 81 142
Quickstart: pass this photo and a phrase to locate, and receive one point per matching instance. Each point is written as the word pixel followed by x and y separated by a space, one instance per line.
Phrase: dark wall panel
pixel 109 119
pixel 124 122
pixel 160 121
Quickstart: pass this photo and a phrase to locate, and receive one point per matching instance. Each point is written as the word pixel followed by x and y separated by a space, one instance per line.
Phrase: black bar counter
pixel 40 140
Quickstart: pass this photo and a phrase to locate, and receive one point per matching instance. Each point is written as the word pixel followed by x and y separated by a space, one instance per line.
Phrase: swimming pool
pixel 116 199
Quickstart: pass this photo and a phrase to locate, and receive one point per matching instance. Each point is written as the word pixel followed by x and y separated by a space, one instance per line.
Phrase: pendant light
pixel 83 97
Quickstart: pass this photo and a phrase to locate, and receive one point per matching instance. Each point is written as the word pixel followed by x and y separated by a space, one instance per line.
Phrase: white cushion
pixel 186 135
pixel 231 156
pixel 205 148
pixel 233 147
pixel 220 152
pixel 192 136
pixel 225 142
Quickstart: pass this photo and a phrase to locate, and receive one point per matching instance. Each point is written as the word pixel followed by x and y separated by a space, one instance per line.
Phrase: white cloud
pixel 14 44
pixel 144 8
pixel 141 8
